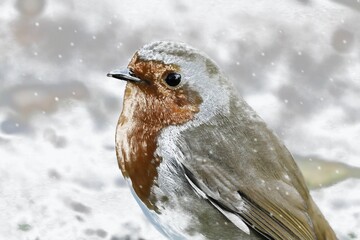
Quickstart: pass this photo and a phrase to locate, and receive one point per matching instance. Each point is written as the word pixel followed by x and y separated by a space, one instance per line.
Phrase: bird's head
pixel 172 82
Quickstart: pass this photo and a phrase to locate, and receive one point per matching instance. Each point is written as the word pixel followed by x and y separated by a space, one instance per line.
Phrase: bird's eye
pixel 173 79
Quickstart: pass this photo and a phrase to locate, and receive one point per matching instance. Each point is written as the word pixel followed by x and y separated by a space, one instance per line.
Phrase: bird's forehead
pixel 150 68
pixel 167 52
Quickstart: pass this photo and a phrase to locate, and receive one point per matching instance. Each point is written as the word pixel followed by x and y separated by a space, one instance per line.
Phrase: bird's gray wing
pixel 244 169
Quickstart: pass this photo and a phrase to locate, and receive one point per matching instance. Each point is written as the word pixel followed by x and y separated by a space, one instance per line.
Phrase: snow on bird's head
pixel 167 52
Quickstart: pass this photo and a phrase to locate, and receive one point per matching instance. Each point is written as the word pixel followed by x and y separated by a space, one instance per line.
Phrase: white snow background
pixel 296 62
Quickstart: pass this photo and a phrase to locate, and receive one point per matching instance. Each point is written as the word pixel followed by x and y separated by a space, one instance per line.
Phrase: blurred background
pixel 296 62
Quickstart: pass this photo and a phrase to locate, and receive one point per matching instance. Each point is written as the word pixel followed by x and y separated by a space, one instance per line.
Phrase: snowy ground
pixel 296 62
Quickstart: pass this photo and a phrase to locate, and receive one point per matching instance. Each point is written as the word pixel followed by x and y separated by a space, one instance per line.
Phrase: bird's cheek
pixel 176 115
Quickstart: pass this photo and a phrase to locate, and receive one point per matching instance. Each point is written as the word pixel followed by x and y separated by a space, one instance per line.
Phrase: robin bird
pixel 200 162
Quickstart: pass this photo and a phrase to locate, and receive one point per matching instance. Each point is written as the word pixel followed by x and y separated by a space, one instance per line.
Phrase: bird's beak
pixel 125 75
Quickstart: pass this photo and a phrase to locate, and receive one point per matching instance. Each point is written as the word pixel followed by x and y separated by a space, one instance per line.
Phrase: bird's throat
pixel 136 145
